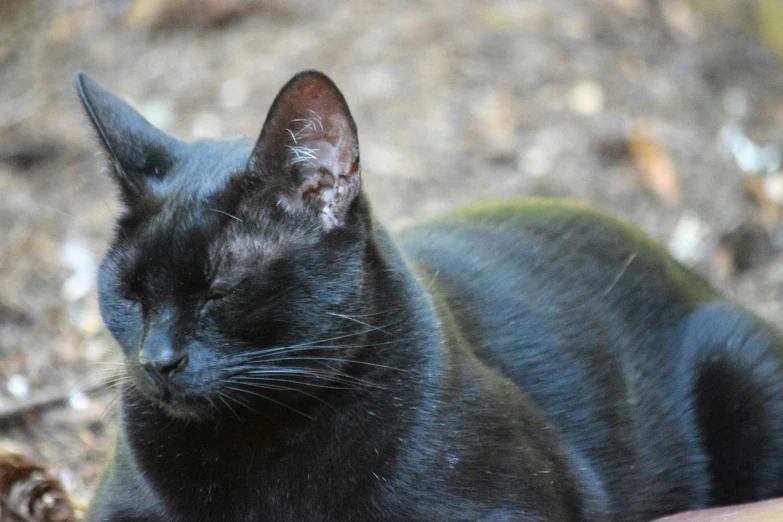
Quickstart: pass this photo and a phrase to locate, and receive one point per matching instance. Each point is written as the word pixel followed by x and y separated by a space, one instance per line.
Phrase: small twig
pixel 14 412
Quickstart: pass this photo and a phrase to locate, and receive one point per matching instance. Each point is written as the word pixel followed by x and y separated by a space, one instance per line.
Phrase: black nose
pixel 159 358
pixel 164 367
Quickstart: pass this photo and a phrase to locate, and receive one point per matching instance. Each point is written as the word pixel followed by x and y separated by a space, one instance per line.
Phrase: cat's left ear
pixel 308 151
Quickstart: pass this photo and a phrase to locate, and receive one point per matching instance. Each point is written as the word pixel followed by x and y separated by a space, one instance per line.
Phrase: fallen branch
pixel 15 411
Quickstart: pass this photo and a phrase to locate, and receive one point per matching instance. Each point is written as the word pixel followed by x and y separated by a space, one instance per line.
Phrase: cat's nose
pixel 164 367
pixel 159 359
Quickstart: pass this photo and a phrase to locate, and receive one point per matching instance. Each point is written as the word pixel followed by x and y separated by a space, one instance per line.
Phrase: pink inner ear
pixel 320 144
pixel 309 121
pixel 310 140
pixel 328 163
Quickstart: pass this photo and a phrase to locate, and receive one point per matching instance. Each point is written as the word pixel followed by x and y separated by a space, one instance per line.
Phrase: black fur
pixel 533 361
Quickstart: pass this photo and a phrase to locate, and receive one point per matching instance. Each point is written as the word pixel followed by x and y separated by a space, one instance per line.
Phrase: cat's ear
pixel 141 155
pixel 308 150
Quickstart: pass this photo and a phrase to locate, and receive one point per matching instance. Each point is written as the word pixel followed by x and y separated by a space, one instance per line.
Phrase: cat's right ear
pixel 140 154
pixel 308 150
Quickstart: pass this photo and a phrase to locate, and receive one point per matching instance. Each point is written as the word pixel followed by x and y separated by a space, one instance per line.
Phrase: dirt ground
pixel 645 108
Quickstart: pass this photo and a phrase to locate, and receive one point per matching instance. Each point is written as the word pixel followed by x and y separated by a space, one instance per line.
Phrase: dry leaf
pixel 29 494
pixel 723 264
pixel 655 166
pixel 497 118
pixel 513 17
pixel 63 27
pixel 770 209
pixel 633 8
pixel 681 17
pixel 161 14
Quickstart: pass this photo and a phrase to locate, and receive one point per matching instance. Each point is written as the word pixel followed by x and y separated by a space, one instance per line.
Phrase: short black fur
pixel 290 361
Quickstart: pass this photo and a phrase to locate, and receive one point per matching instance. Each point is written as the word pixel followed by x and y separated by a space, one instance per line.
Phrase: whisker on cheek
pixel 302 382
pixel 225 402
pixel 358 321
pixel 278 387
pixel 239 401
pixel 336 359
pixel 312 343
pixel 126 386
pixel 265 397
pixel 262 354
pixel 325 374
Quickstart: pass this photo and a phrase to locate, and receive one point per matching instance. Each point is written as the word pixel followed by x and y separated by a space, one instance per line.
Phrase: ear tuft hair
pixel 309 149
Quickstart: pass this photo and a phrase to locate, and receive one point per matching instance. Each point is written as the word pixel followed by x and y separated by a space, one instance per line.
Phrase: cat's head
pixel 236 266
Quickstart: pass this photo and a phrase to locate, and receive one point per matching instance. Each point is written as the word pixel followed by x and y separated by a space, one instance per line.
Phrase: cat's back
pixel 552 246
pixel 553 285
pixel 583 312
pixel 553 259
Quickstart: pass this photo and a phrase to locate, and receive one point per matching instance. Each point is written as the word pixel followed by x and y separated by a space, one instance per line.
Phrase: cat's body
pixel 666 395
pixel 524 362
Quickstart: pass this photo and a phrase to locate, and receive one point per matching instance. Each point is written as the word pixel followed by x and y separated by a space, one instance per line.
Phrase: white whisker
pixel 240 390
pixel 225 213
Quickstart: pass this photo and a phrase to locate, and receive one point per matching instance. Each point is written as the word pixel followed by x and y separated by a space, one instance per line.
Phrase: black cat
pixel 292 362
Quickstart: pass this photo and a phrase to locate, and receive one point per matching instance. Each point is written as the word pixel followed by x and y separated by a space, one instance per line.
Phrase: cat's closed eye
pixel 221 289
pixel 214 296
pixel 133 296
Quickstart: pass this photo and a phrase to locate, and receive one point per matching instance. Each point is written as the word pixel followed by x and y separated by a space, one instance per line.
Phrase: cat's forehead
pixel 208 223
pixel 202 169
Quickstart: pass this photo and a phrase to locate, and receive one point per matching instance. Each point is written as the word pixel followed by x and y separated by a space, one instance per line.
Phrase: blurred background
pixel 668 113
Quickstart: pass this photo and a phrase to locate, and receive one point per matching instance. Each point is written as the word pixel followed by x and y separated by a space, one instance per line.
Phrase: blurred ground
pixel 649 109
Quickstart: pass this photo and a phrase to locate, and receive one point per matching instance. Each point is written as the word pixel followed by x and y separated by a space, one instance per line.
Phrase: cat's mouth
pixel 184 406
pixel 175 401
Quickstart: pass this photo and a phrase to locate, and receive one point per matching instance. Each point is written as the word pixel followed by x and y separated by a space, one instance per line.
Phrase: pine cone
pixel 29 494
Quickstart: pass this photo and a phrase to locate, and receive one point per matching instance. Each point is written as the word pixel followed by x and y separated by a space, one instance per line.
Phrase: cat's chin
pixel 185 408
